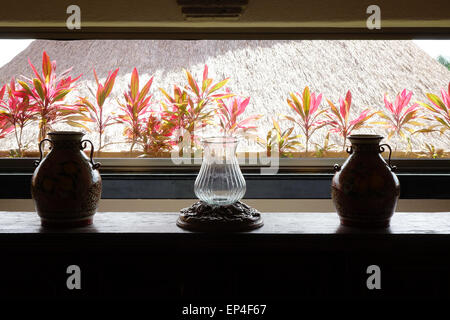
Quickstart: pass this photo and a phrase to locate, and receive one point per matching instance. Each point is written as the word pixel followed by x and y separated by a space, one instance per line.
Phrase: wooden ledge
pixel 288 223
pixel 303 223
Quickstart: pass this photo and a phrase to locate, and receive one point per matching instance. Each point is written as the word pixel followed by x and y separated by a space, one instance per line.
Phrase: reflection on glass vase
pixel 220 181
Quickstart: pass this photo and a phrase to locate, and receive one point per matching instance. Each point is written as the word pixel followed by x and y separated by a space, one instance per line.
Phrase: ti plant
pixel 176 108
pixel 284 140
pixel 189 107
pixel 5 128
pixel 440 111
pixel 400 117
pixel 202 96
pixel 15 113
pixel 307 108
pixel 322 150
pixel 228 111
pixel 433 152
pixel 338 118
pixel 94 110
pixel 135 108
pixel 47 93
pixel 156 135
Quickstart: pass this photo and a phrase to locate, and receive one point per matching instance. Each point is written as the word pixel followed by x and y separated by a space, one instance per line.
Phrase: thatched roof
pixel 265 70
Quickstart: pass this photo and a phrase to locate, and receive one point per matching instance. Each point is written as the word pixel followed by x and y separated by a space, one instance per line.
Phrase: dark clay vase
pixel 66 185
pixel 365 190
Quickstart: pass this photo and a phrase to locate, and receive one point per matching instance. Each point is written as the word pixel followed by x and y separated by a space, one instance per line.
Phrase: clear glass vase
pixel 220 181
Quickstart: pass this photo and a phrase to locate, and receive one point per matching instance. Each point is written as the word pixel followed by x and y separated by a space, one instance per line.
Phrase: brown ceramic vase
pixel 365 190
pixel 66 185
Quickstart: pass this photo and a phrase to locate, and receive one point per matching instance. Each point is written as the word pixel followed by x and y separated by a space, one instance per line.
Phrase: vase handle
pixel 83 145
pixel 41 155
pixel 393 168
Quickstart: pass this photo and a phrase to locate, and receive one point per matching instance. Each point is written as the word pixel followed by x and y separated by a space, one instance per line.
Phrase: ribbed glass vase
pixel 220 181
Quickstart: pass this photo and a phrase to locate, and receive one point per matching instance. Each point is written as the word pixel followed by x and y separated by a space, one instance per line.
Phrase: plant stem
pixel 307 142
pixel 100 141
pixel 42 132
pixel 192 144
pixel 18 141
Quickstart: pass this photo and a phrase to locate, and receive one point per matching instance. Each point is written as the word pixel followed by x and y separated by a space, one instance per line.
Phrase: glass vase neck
pixel 220 149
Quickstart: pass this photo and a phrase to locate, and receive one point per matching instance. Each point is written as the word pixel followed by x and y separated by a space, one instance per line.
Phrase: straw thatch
pixel 265 70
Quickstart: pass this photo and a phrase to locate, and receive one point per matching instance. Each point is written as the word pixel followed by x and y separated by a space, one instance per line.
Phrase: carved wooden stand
pixel 234 217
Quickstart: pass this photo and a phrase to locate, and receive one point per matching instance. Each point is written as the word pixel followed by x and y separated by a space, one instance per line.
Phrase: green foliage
pixel 322 150
pixel 433 152
pixel 156 135
pixel 399 117
pixel 158 126
pixel 93 110
pixel 135 109
pixel 283 141
pixel 191 107
pixel 440 111
pixel 229 111
pixel 47 92
pixel 444 61
pixel 16 113
pixel 306 106
pixel 338 118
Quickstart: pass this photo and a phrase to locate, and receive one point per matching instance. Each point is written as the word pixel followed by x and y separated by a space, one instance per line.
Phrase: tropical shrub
pixel 338 118
pixel 196 104
pixel 135 108
pixel 94 110
pixel 176 108
pixel 156 135
pixel 444 61
pixel 191 107
pixel 283 140
pixel 15 113
pixel 440 111
pixel 306 106
pixel 47 93
pixel 229 109
pixel 5 127
pixel 208 92
pixel 323 149
pixel 432 152
pixel 400 117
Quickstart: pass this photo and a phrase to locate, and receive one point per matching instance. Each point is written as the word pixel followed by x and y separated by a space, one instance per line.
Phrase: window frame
pixel 417 174
pixel 286 165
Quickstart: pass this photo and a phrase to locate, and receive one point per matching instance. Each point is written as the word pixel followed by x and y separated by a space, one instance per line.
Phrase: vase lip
pixel 58 133
pixel 65 135
pixel 220 140
pixel 365 137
